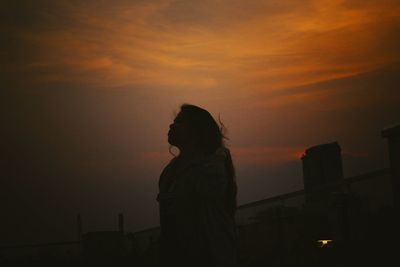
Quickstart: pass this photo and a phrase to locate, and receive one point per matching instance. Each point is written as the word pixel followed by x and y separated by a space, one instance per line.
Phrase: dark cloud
pixel 222 14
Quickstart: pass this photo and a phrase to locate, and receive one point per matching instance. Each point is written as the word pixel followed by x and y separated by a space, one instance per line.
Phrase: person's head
pixel 196 129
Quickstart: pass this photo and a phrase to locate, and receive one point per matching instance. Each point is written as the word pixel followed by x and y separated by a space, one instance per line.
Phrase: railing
pixel 281 230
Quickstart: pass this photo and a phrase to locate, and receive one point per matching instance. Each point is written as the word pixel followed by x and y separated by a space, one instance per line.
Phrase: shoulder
pixel 169 165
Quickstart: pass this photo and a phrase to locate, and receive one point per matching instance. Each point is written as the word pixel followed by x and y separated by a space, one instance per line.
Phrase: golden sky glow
pixel 253 45
pixel 259 54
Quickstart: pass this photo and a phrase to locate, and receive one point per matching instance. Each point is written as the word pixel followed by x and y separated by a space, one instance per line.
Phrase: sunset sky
pixel 89 89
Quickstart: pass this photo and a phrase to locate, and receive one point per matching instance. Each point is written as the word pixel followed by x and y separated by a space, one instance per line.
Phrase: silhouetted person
pixel 197 194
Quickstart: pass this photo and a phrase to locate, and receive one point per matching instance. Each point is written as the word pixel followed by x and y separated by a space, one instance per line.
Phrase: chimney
pixel 322 165
pixel 121 222
pixel 79 226
pixel 393 136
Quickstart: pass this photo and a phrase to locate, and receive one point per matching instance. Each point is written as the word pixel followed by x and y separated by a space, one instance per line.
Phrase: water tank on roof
pixel 322 166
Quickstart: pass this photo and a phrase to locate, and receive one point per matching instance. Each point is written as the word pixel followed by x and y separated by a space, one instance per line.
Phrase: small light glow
pixel 324 242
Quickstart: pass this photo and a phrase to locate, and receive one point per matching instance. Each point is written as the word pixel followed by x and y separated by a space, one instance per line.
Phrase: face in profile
pixel 178 132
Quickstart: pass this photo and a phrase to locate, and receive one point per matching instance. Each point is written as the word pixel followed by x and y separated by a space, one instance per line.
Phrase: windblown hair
pixel 209 136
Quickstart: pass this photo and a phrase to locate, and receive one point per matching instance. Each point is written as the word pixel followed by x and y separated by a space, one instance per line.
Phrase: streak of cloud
pixel 256 45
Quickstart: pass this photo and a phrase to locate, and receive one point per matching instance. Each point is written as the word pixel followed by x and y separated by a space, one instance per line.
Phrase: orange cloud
pixel 254 45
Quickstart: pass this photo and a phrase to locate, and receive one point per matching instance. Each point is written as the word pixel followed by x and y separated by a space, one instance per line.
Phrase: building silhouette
pixel 322 164
pixel 333 221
